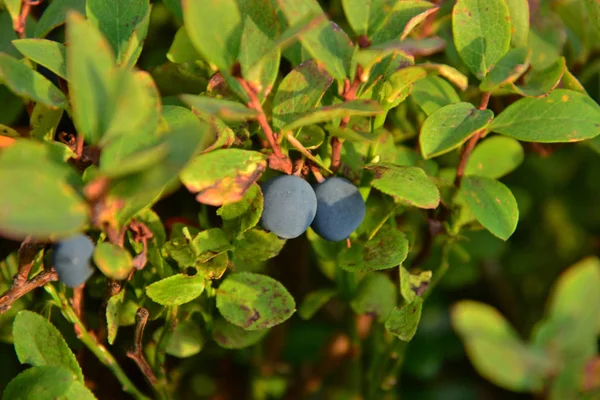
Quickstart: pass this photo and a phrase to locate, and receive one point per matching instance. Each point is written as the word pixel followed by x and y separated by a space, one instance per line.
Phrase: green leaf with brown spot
pixel 495 157
pixel 376 296
pixel 482 33
pixel 407 185
pixel 217 38
pixel 508 69
pixel 215 267
pixel 397 21
pixel 48 206
pixel 413 285
pixel 404 320
pixel 223 176
pixel 451 126
pixel 519 21
pixel 257 245
pixel 563 116
pixel 176 290
pixel 300 91
pixel 492 203
pixel 44 122
pixel 254 301
pixel 244 214
pixel 226 110
pixel 328 113
pixel 539 83
pixel 387 249
pixel 113 311
pixel 230 336
pixel 115 262
pixel 28 83
pixel 210 243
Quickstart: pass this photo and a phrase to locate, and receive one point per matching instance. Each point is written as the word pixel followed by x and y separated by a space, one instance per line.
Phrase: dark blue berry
pixel 290 206
pixel 340 209
pixel 71 260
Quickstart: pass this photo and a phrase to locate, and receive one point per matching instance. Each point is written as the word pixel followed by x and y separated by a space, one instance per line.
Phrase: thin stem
pixel 317 174
pixel 137 351
pixel 103 355
pixel 296 143
pixel 17 291
pixel 381 223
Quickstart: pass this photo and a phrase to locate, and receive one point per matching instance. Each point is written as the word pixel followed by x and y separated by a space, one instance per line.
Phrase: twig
pixel 90 341
pixel 27 253
pixel 349 94
pixel 17 291
pixel 19 24
pixel 77 304
pixel 466 151
pixel 278 160
pixel 298 166
pixel 317 174
pixel 296 143
pixel 137 352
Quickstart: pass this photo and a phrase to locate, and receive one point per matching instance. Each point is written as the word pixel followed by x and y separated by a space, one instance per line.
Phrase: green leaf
pixel 495 157
pixel 546 43
pixel 399 84
pixel 113 311
pixel 299 92
pixel 242 215
pixel 258 59
pixel 48 53
pixel 495 349
pixel 593 9
pixel 210 243
pixel 328 113
pixel 539 83
pixel 226 110
pixel 78 391
pixel 7 35
pixel 482 33
pixel 175 7
pixel 519 21
pixel 133 49
pixel 574 305
pixel 314 301
pixel 14 8
pixel 492 204
pixel 48 207
pixel 40 383
pixel 326 42
pixel 254 301
pixel 413 285
pixel 182 49
pixel 387 249
pixel 563 116
pixel 176 290
pixel 376 296
pixel 115 262
pixel 230 336
pixel 215 267
pixel 459 79
pixel 256 246
pixel 508 69
pixel 39 343
pixel 217 38
pixel 450 127
pixel 407 185
pixel 56 14
pixel 433 93
pixel 186 340
pixel 404 321
pixel 223 176
pixel 117 21
pixel 570 82
pixel 397 21
pixel 90 66
pixel 28 83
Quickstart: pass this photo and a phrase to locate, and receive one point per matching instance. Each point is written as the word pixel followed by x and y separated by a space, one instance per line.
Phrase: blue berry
pixel 290 206
pixel 71 260
pixel 340 209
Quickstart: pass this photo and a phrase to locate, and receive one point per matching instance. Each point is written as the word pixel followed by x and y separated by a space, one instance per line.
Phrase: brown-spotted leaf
pixel 223 176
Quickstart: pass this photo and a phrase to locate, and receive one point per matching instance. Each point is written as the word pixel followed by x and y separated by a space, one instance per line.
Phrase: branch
pixel 137 352
pixel 466 151
pixel 349 94
pixel 17 291
pixel 19 24
pixel 277 160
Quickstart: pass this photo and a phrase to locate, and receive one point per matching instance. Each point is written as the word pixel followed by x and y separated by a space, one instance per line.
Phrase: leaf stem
pixel 103 355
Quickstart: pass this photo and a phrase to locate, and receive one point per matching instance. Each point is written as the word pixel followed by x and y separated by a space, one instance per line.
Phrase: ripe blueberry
pixel 290 206
pixel 340 209
pixel 71 260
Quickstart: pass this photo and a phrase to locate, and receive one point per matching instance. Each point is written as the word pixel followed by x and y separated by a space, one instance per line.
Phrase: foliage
pixel 469 128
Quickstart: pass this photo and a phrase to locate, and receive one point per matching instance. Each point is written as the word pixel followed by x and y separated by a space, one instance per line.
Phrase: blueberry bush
pixel 299 199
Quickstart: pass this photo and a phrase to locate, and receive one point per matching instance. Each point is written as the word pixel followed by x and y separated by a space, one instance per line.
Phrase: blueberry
pixel 290 206
pixel 340 209
pixel 71 260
